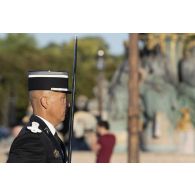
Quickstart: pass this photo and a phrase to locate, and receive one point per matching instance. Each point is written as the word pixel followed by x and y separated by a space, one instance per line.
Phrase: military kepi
pixel 48 80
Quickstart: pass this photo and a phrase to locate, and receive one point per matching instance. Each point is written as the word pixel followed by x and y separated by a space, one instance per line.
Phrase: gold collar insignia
pixel 56 153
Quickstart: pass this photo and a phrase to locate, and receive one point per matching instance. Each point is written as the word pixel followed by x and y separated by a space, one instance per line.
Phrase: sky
pixel 114 40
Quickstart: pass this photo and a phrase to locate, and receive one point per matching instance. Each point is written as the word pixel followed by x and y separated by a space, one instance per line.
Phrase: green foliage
pixel 19 53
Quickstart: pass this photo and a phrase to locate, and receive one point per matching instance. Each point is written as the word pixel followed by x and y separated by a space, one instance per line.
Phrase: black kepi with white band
pixel 48 80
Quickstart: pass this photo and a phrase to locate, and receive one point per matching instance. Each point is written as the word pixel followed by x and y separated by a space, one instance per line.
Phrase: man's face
pixel 57 106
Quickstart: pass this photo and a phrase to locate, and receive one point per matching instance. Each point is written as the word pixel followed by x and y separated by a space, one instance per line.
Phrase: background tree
pixel 20 53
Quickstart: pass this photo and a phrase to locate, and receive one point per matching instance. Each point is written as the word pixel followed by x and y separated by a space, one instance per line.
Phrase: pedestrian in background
pixel 103 144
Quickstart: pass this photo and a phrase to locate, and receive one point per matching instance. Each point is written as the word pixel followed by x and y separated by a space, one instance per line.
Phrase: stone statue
pixel 188 69
pixel 118 92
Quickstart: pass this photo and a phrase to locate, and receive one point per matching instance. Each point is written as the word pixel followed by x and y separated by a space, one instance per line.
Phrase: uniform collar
pixel 50 126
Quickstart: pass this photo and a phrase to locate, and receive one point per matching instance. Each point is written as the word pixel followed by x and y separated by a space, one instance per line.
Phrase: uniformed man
pixel 38 140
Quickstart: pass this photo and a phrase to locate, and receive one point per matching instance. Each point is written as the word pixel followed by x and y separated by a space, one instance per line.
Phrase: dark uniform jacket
pixel 36 144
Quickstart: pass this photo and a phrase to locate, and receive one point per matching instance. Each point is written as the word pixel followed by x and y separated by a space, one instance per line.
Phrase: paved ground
pixel 88 157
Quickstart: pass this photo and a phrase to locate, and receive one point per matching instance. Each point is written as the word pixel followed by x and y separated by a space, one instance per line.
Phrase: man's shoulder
pixel 30 140
pixel 31 129
pixel 31 132
pixel 27 136
pixel 26 146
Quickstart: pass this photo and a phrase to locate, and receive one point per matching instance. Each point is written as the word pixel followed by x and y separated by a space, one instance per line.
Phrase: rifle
pixel 72 101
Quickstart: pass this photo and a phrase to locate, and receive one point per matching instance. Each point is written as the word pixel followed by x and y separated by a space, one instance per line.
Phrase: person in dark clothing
pixel 104 144
pixel 38 141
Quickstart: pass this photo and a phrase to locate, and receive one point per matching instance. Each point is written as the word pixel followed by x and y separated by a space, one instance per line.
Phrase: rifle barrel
pixel 72 101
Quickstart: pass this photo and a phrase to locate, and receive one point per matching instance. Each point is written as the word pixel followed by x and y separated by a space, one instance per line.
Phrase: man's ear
pixel 44 102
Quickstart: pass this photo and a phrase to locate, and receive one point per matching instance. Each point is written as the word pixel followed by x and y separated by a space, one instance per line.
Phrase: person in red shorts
pixel 105 143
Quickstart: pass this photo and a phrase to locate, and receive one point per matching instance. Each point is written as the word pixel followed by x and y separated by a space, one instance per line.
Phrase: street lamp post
pixel 100 67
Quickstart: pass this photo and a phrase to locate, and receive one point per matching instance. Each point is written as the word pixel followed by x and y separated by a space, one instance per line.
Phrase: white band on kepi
pixel 59 89
pixel 52 76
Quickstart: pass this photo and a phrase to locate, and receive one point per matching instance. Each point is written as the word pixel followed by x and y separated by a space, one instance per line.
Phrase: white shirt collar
pixel 51 127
